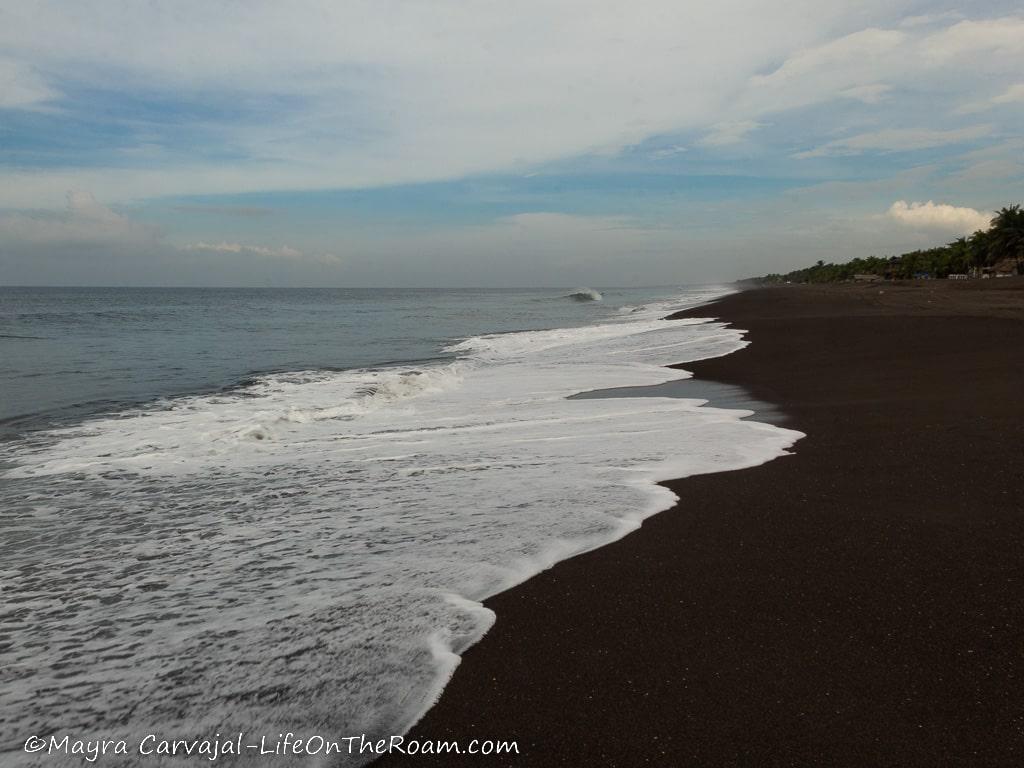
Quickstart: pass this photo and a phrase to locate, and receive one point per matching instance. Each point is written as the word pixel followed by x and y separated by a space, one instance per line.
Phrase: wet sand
pixel 858 603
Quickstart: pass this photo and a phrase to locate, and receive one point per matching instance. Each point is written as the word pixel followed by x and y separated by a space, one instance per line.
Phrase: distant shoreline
pixel 997 251
pixel 858 603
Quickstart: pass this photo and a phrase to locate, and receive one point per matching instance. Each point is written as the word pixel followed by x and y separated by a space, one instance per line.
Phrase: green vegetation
pixel 999 249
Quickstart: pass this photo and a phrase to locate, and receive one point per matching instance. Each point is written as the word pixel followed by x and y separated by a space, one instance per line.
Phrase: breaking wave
pixel 312 552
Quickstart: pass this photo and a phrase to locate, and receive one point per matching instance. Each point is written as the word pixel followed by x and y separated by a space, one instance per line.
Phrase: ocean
pixel 279 510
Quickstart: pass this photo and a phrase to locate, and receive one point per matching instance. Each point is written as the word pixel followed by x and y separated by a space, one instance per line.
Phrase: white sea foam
pixel 310 552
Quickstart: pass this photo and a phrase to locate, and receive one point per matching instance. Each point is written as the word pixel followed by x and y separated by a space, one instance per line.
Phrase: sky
pixel 443 143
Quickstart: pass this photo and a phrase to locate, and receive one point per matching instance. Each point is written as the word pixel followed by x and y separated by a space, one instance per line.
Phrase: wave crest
pixel 585 294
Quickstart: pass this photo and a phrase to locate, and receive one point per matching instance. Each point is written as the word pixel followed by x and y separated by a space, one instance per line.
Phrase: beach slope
pixel 860 602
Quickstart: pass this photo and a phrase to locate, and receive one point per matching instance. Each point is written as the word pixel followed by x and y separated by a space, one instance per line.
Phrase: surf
pixel 585 294
pixel 315 548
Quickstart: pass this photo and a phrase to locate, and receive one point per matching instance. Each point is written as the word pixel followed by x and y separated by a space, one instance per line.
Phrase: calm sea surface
pixel 94 348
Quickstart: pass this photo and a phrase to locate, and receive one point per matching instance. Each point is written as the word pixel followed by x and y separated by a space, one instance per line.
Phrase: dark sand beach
pixel 858 603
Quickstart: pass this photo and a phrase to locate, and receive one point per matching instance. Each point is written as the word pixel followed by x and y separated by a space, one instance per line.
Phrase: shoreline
pixel 726 397
pixel 858 602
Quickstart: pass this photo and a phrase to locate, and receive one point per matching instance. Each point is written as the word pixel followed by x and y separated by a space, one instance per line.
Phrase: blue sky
pixel 444 143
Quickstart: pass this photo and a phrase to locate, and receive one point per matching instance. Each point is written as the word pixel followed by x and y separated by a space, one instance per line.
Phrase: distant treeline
pixel 997 249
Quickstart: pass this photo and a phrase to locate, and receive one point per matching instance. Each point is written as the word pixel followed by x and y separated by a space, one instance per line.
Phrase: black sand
pixel 860 603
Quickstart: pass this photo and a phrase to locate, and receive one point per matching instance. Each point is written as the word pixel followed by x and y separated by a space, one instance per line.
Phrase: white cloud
pixel 859 65
pixel 930 19
pixel 731 132
pixel 666 152
pixel 1002 37
pixel 851 49
pixel 1012 95
pixel 84 222
pixel 939 216
pixel 936 55
pixel 21 87
pixel 896 140
pixel 375 92
pixel 869 94
pixel 390 92
pixel 990 165
pixel 284 251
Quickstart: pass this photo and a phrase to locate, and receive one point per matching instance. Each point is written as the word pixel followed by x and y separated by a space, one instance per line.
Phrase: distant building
pixel 1006 268
pixel 958 276
pixel 867 278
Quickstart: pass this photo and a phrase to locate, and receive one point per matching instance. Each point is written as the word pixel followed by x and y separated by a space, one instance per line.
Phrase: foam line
pixel 311 552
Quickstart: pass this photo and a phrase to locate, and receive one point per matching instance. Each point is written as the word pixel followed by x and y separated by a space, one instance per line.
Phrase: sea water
pixel 280 510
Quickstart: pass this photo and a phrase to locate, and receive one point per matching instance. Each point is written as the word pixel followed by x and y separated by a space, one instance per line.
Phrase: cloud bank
pixel 660 133
pixel 285 251
pixel 896 140
pixel 319 95
pixel 939 216
pixel 21 87
pixel 84 222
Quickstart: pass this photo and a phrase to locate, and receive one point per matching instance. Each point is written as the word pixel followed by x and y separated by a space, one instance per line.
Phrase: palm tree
pixel 1006 237
pixel 959 255
pixel 980 248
